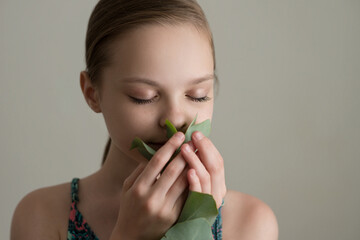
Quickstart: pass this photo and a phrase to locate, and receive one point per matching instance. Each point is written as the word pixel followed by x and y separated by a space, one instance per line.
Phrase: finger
pixel 195 163
pixel 191 145
pixel 194 181
pixel 180 201
pixel 207 152
pixel 159 160
pixel 129 181
pixel 213 162
pixel 171 174
pixel 179 186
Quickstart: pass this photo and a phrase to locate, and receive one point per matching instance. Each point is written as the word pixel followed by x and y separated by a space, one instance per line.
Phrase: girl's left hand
pixel 206 174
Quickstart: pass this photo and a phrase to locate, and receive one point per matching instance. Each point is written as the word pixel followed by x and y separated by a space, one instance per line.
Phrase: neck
pixel 116 169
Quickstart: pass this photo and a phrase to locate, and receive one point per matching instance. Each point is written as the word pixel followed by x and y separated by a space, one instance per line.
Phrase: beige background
pixel 287 119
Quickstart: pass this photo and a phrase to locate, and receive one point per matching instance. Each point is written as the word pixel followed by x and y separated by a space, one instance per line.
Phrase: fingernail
pixel 186 148
pixel 179 135
pixel 198 135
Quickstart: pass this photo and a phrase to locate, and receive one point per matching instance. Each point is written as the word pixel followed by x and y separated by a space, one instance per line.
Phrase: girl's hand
pixel 206 174
pixel 149 205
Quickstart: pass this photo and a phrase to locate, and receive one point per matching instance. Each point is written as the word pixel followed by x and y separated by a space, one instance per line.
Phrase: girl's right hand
pixel 149 205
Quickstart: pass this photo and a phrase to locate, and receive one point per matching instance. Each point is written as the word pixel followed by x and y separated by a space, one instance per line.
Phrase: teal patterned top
pixel 79 229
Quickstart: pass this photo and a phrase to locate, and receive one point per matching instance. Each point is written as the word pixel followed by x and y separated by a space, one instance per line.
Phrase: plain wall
pixel 287 118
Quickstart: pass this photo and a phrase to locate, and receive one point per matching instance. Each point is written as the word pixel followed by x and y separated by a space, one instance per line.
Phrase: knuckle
pixel 165 216
pixel 150 206
pixel 171 170
pixel 162 214
pixel 216 166
pixel 138 191
pixel 158 160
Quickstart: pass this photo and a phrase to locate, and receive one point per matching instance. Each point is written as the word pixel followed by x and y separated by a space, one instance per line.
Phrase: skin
pixel 169 68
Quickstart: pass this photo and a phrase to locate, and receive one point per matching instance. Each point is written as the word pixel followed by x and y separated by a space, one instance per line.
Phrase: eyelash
pixel 202 99
pixel 141 101
pixel 147 101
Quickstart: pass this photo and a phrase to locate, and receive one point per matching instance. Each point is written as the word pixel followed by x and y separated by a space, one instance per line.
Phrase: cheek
pixel 125 122
pixel 205 112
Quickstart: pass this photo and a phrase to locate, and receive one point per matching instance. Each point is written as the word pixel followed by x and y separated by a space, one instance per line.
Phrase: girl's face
pixel 156 73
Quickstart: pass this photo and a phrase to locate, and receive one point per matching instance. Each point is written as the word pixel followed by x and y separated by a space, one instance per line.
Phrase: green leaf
pixel 196 229
pixel 199 205
pixel 143 148
pixel 204 127
pixel 148 152
pixel 196 219
pixel 170 129
pixel 188 130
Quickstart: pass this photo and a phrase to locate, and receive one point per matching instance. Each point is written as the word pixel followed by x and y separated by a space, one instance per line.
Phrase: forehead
pixel 162 52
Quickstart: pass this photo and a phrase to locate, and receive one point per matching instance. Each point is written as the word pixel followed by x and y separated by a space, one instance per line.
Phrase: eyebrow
pixel 155 84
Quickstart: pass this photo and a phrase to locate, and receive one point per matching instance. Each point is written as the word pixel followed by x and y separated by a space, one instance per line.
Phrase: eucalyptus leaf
pixel 148 152
pixel 188 130
pixel 196 218
pixel 143 148
pixel 196 229
pixel 170 129
pixel 204 127
pixel 199 205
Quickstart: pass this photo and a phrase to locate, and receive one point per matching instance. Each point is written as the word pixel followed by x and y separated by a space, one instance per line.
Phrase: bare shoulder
pixel 42 214
pixel 246 217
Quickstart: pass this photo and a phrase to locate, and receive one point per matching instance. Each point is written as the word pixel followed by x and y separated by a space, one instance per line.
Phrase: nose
pixel 177 115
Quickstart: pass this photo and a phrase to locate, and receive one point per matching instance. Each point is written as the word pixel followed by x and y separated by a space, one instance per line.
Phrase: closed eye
pixel 201 99
pixel 142 101
pixel 151 100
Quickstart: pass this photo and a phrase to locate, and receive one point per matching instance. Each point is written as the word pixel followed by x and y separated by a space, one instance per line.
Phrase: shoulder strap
pixel 74 190
pixel 216 228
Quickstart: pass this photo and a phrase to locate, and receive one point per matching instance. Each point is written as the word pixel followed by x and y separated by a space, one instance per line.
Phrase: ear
pixel 90 92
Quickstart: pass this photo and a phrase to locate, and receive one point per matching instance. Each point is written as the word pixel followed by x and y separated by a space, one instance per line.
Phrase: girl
pixel 147 61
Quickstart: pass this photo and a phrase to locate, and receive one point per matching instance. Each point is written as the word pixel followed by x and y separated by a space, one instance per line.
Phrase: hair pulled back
pixel 113 18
